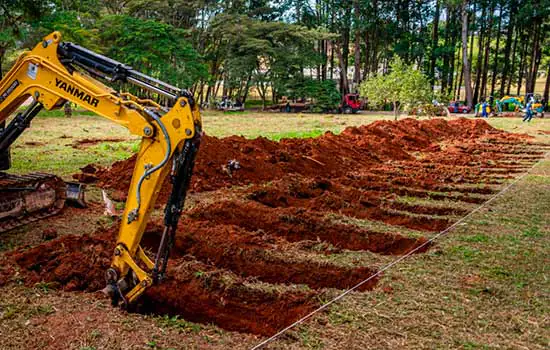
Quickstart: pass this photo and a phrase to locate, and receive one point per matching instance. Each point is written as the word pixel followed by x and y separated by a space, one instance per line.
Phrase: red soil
pixel 78 263
pixel 298 224
pixel 330 155
pixel 72 262
pixel 300 190
pixel 254 254
pixel 354 195
pixel 200 294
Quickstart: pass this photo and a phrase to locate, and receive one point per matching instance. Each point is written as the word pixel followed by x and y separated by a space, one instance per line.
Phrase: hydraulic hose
pixel 134 213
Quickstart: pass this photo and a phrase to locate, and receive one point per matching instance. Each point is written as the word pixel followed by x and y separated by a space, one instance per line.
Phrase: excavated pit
pixel 255 254
pixel 197 291
pixel 356 196
pixel 327 156
pixel 298 224
pixel 237 263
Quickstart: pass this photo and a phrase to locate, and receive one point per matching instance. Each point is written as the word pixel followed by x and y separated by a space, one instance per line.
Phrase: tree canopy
pixel 403 86
pixel 270 47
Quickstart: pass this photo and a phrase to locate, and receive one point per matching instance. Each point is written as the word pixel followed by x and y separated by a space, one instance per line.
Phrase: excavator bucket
pixel 76 194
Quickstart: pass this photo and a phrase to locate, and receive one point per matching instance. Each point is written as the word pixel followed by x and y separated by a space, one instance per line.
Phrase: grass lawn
pixel 485 285
pixel 46 146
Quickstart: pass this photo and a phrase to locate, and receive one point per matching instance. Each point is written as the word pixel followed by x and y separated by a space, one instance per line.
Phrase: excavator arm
pixel 54 73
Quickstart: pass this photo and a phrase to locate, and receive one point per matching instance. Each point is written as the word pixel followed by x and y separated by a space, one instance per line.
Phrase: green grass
pixel 60 113
pixel 55 136
pixel 484 285
pixel 257 103
pixel 55 133
pixel 179 323
pixel 295 134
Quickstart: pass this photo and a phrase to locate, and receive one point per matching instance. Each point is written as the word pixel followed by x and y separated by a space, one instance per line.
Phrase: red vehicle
pixel 458 107
pixel 350 104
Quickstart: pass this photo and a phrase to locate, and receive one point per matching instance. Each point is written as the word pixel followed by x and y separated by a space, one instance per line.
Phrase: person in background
pixel 484 113
pixel 528 111
pixel 68 110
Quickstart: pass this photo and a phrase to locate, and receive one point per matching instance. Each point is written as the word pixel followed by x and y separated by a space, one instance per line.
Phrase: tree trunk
pixel 522 64
pixel 507 49
pixel 546 93
pixel 456 82
pixel 395 110
pixel 375 39
pixel 343 54
pixel 244 96
pixel 512 70
pixel 217 86
pixel 201 85
pixel 435 39
pixel 495 60
pixel 444 76
pixel 332 60
pixel 483 90
pixel 465 62
pixel 472 30
pixel 480 38
pixel 357 64
pixel 535 61
pixel 325 59
pixel 344 84
pixel 452 54
pixel 263 100
pixel 357 46
pixel 459 82
pixel 367 55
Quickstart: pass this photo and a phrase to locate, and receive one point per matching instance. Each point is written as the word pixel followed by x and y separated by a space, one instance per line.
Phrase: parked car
pixel 458 107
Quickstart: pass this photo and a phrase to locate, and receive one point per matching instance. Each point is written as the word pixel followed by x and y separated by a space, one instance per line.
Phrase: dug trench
pixel 239 261
pixel 197 291
pixel 356 148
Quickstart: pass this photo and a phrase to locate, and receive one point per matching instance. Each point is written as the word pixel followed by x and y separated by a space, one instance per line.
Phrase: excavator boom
pixel 54 73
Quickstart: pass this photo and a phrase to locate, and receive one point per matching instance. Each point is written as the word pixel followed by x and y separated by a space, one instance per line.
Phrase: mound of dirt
pixel 234 259
pixel 298 224
pixel 71 262
pixel 256 254
pixel 197 291
pixel 329 155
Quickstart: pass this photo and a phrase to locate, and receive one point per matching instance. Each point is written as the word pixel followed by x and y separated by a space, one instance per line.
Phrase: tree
pixel 266 44
pixel 270 55
pixel 155 48
pixel 465 61
pixel 74 27
pixel 15 16
pixel 404 86
pixel 324 94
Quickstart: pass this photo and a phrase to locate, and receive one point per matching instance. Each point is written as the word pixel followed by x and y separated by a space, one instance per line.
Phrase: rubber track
pixel 27 181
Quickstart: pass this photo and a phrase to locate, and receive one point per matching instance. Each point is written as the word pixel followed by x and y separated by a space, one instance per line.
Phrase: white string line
pixel 398 260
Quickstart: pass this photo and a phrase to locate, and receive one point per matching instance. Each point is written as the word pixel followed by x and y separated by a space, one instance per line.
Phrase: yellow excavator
pixel 55 73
